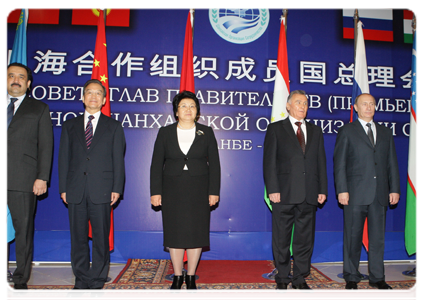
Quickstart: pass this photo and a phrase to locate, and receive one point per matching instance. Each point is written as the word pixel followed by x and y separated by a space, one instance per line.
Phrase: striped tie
pixel 89 131
pixel 11 110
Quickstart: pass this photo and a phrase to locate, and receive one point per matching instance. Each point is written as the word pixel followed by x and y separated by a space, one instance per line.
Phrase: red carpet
pixel 319 295
pixel 148 274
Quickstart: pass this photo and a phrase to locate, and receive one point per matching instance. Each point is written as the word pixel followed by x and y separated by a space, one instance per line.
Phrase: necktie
pixel 300 136
pixel 89 131
pixel 370 134
pixel 11 110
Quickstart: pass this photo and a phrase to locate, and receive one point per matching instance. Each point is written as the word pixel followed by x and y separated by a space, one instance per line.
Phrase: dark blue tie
pixel 89 131
pixel 11 110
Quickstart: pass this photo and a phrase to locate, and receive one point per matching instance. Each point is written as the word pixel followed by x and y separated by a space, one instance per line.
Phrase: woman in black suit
pixel 185 181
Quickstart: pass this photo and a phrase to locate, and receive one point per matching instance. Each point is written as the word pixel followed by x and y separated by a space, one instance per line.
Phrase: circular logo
pixel 239 26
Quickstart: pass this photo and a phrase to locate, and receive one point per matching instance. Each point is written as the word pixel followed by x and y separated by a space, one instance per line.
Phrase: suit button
pixel 186 158
pixel 85 173
pixel 88 158
pixel 375 164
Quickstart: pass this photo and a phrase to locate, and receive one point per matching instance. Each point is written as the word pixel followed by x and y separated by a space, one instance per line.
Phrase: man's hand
pixel 394 198
pixel 156 200
pixel 39 187
pixel 213 199
pixel 63 196
pixel 321 198
pixel 275 197
pixel 114 198
pixel 343 198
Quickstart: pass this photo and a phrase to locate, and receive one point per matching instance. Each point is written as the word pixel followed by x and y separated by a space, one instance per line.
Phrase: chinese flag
pixel 115 17
pixel 100 73
pixel 187 72
pixel 36 16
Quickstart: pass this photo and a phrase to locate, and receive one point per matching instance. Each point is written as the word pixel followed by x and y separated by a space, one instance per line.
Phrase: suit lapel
pixel 100 129
pixel 23 108
pixel 361 133
pixel 290 131
pixel 174 137
pixel 80 130
pixel 309 136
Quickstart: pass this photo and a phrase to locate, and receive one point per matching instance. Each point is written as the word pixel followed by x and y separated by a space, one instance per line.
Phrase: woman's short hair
pixel 183 95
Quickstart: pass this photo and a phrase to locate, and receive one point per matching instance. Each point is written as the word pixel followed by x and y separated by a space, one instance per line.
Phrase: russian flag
pixel 377 24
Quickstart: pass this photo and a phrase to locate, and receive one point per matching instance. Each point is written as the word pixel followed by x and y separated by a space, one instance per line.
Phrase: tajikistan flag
pixel 410 211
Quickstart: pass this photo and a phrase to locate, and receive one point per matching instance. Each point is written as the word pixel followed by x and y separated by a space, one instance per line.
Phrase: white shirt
pixel 17 102
pixel 94 121
pixel 303 127
pixel 366 129
pixel 185 139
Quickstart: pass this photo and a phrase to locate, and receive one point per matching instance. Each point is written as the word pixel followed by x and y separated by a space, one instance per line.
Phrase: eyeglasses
pixel 186 107
pixel 94 93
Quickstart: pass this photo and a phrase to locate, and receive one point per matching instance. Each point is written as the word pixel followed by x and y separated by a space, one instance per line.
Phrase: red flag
pixel 36 16
pixel 100 73
pixel 115 17
pixel 187 72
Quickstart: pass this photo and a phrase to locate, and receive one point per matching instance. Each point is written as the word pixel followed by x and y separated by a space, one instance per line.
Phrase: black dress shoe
pixel 190 281
pixel 76 293
pixel 177 282
pixel 20 289
pixel 281 286
pixel 381 285
pixel 351 285
pixel 301 286
pixel 97 293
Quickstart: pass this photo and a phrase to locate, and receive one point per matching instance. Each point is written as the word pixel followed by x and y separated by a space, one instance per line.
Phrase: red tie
pixel 300 136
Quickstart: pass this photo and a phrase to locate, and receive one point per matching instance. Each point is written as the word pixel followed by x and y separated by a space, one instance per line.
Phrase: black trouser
pixel 22 209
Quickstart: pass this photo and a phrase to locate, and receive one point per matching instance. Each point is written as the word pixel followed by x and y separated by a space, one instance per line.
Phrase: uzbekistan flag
pixel 100 72
pixel 410 210
pixel 408 28
pixel 378 24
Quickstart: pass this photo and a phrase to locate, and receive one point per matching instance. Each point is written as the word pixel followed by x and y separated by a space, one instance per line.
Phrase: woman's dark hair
pixel 183 95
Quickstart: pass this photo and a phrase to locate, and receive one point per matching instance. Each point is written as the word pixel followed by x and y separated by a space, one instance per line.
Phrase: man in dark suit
pixel 91 179
pixel 366 181
pixel 29 157
pixel 294 167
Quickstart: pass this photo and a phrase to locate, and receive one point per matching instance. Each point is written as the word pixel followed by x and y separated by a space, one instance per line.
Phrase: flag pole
pixel 416 270
pixel 192 22
pixel 356 18
pixel 285 17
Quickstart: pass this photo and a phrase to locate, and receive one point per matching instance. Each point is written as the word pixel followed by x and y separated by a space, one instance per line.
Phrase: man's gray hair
pixel 296 92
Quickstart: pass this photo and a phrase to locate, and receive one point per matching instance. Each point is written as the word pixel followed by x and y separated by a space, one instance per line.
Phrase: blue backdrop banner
pixel 235 53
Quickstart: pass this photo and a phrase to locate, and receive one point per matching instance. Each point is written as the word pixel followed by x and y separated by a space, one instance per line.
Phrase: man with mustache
pixel 29 156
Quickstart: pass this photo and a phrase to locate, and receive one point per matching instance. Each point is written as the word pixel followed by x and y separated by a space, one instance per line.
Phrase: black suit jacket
pixel 29 145
pixel 296 176
pixel 100 169
pixel 363 171
pixel 201 159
